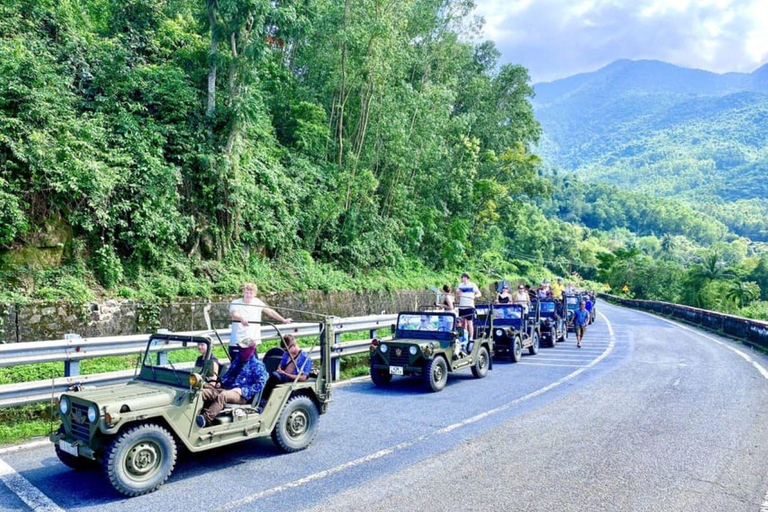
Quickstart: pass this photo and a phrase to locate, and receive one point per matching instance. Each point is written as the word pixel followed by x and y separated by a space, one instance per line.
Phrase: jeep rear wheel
pixel 516 353
pixel 534 348
pixel 140 459
pixel 436 374
pixel 480 369
pixel 380 377
pixel 296 427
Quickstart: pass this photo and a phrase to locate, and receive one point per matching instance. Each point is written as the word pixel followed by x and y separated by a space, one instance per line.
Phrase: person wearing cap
pixel 244 380
pixel 467 292
pixel 246 318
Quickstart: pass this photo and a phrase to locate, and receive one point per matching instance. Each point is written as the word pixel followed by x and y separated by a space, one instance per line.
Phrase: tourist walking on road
pixel 580 321
pixel 246 319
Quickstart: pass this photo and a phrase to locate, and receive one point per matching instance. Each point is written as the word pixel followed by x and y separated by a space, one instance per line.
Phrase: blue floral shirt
pixel 249 376
pixel 303 362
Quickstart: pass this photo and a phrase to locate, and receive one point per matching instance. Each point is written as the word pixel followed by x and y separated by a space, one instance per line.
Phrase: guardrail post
pixel 373 333
pixel 336 361
pixel 71 368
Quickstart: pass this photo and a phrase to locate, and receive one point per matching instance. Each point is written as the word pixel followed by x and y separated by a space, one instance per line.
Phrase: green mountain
pixel 669 131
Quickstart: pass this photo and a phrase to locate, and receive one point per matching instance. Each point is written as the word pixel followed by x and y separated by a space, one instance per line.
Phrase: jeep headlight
pixel 413 350
pixel 93 413
pixel 428 349
pixel 383 348
pixel 64 405
pixel 499 332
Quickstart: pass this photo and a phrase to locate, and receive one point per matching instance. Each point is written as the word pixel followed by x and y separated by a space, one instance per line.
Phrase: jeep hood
pixel 135 394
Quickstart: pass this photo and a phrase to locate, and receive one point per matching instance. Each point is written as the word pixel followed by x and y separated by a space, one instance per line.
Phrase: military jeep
pixel 514 329
pixel 551 322
pixel 429 344
pixel 134 430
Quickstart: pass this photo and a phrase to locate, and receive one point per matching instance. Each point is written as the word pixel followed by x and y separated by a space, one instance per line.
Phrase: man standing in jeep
pixel 467 292
pixel 246 318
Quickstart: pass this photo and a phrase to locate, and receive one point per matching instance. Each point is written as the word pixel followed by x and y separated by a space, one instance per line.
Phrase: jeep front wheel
pixel 380 377
pixel 436 374
pixel 140 459
pixel 480 369
pixel 516 353
pixel 297 425
pixel 534 348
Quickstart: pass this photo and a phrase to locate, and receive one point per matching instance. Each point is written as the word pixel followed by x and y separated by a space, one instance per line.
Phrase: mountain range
pixel 668 131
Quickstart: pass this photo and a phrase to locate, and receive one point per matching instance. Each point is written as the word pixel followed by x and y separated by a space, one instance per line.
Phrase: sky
pixel 558 38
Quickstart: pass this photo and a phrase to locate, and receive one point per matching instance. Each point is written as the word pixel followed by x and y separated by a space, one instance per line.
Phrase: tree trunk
pixel 210 109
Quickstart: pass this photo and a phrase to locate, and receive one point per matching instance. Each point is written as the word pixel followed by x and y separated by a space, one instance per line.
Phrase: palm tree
pixel 712 268
pixel 743 292
pixel 667 244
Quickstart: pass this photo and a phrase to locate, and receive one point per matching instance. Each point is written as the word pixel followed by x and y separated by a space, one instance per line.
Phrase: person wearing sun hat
pixel 244 379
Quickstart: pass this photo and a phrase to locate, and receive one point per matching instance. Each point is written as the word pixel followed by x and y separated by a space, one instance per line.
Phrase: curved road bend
pixel 648 416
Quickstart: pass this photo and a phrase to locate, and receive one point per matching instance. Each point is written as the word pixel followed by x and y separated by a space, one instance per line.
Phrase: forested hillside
pixel 157 148
pixel 189 138
pixel 668 131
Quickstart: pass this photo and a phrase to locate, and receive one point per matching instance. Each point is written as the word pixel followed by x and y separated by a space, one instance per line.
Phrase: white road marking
pixel 388 451
pixel 764 506
pixel 744 355
pixel 551 364
pixel 26 446
pixel 27 492
pixel 572 359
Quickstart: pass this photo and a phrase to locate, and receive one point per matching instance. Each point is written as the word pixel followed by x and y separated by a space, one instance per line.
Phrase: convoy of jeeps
pixel 134 431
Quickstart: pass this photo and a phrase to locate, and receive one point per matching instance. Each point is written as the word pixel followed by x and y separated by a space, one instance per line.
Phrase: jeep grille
pixel 78 420
pixel 403 359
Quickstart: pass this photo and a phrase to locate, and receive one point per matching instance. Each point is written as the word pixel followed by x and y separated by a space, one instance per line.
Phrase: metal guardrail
pixel 73 350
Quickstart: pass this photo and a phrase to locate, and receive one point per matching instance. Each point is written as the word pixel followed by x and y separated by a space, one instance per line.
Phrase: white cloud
pixel 556 38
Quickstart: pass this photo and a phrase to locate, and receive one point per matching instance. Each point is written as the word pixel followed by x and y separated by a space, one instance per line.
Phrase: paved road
pixel 648 416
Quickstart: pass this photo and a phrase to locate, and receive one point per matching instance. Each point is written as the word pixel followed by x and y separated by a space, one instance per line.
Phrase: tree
pixel 743 292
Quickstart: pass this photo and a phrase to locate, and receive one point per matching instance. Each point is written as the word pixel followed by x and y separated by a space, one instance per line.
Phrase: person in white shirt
pixel 246 318
pixel 467 292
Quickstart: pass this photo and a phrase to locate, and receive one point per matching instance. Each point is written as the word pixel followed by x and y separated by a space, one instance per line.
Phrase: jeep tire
pixel 534 348
pixel 296 426
pixel 380 377
pixel 516 351
pixel 480 369
pixel 436 374
pixel 140 459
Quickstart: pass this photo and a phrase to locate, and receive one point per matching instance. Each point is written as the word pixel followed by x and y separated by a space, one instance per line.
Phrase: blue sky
pixel 557 38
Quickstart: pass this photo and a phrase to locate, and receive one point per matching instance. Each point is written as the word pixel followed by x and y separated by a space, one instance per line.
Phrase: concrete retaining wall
pixel 753 332
pixel 49 320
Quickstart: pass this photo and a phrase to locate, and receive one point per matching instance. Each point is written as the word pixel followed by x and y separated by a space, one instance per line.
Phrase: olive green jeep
pixel 430 344
pixel 133 430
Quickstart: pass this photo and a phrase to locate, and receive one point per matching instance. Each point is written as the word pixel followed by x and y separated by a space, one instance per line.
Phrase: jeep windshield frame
pixel 548 309
pixel 425 325
pixel 508 315
pixel 170 358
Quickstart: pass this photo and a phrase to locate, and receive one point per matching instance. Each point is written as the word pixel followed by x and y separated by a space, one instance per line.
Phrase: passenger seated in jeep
pixel 242 382
pixel 202 347
pixel 295 362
